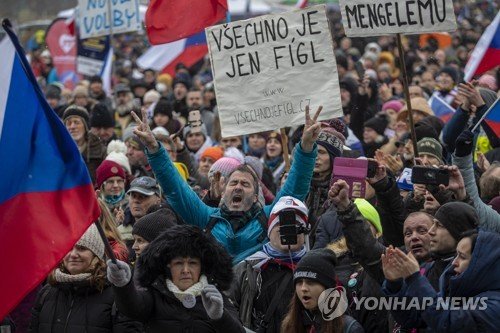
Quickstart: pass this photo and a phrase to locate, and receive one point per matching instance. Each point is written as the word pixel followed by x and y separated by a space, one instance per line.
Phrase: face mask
pixel 114 199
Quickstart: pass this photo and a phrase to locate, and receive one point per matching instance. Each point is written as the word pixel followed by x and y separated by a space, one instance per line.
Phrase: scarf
pixel 270 254
pixel 112 200
pixel 68 278
pixel 193 291
pixel 318 195
pixel 273 163
pixel 239 219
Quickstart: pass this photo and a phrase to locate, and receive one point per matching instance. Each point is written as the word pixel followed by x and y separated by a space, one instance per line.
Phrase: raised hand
pixel 311 130
pixel 456 184
pixel 143 132
pixel 380 174
pixel 339 194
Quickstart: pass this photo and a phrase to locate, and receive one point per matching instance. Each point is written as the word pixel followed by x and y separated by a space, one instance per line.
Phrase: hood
pixel 483 271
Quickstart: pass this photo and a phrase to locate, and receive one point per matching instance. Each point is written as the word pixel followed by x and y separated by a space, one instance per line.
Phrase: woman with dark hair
pixel 183 273
pixel 77 297
pixel 314 274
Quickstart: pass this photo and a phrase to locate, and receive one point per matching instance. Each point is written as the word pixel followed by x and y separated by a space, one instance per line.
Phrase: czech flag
pixel 171 20
pixel 301 4
pixel 486 54
pixel 441 109
pixel 165 57
pixel 492 119
pixel 46 196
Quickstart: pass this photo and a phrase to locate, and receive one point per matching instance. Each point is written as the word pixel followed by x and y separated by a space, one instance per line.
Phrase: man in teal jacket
pixel 239 223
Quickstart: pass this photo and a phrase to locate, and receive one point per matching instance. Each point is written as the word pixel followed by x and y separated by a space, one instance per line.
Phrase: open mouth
pixel 416 248
pixel 237 199
pixel 306 299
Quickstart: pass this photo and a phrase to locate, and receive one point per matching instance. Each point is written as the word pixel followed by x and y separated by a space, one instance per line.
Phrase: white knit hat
pixel 121 159
pixel 92 241
pixel 116 145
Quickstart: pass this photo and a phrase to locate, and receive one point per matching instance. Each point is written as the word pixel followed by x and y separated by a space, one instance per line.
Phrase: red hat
pixel 108 169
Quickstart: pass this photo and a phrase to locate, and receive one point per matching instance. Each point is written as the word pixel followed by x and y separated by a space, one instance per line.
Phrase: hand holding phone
pixel 353 171
pixel 288 228
pixel 430 176
pixel 194 120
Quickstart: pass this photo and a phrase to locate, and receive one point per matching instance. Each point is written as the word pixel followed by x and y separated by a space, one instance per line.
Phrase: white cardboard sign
pixel 363 18
pixel 267 69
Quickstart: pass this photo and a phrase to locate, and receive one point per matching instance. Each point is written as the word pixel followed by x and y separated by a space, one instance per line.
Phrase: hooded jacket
pixel 479 284
pixel 247 240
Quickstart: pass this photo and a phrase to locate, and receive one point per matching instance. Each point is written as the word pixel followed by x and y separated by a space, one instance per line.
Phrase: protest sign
pixel 62 46
pixel 363 18
pixel 267 69
pixel 92 53
pixel 105 17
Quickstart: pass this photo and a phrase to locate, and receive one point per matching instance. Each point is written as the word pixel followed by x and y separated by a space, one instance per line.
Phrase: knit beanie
pixel 101 116
pixel 80 91
pixel 288 202
pixel 457 217
pixel 152 225
pixel 151 96
pixel 432 147
pixel 393 105
pixel 225 166
pixel 378 124
pixel 369 213
pixel 274 135
pixel 331 137
pixel 214 153
pixel 451 72
pixel 77 111
pixel 92 241
pixel 163 107
pixel 317 265
pixel 165 78
pixel 108 169
pixel 255 164
pixel 121 159
pixel 187 130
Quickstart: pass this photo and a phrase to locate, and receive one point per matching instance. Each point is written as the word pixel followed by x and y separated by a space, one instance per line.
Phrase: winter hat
pixel 165 78
pixel 378 124
pixel 331 137
pixel 318 265
pixel 274 135
pixel 214 153
pixel 121 159
pixel 160 131
pixel 101 117
pixel 393 105
pixel 92 241
pixel 53 92
pixel 80 91
pixel 122 88
pixel 287 202
pixel 423 130
pixel 451 72
pixel 77 111
pixel 369 213
pixel 153 224
pixel 225 166
pixel 151 96
pixel 432 147
pixel 108 169
pixel 255 164
pixel 163 107
pixel 182 79
pixel 417 104
pixel 234 153
pixel 135 142
pixel 187 130
pixel 95 79
pixel 457 217
pixel 436 123
pixel 183 170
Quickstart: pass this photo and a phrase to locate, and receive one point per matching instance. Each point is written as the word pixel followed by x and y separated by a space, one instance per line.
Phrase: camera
pixel 430 176
pixel 289 228
pixel 372 169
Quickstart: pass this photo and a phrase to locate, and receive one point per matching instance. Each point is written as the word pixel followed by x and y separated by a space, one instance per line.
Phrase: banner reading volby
pixel 363 18
pixel 267 69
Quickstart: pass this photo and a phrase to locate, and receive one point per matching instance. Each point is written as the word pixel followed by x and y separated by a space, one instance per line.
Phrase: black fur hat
pixel 185 241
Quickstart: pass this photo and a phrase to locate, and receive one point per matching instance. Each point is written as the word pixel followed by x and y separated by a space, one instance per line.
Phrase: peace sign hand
pixel 143 132
pixel 311 130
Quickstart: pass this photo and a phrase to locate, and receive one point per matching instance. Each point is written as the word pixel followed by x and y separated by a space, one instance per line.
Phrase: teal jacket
pixel 188 205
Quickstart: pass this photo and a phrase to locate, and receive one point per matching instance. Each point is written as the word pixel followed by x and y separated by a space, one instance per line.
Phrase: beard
pixel 124 109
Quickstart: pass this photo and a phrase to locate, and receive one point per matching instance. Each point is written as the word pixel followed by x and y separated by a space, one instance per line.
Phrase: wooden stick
pixel 407 95
pixel 286 156
pixel 107 247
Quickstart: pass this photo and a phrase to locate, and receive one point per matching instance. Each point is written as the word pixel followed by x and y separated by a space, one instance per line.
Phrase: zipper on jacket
pixel 69 313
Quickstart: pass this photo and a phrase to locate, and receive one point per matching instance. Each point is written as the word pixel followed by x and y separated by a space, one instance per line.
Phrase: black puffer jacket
pixel 78 307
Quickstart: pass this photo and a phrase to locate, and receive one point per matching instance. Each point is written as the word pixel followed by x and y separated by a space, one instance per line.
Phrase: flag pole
pixel 286 156
pixel 407 95
pixel 107 247
pixel 484 115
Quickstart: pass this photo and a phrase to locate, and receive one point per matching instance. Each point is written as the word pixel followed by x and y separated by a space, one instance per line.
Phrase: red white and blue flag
pixel 486 54
pixel 441 108
pixel 46 196
pixel 301 4
pixel 492 119
pixel 165 57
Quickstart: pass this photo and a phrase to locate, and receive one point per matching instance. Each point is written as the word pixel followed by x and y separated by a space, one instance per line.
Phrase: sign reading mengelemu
pixel 267 69
pixel 101 18
pixel 363 18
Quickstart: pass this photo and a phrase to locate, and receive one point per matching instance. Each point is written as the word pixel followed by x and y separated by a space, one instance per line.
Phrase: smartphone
pixel 194 120
pixel 288 227
pixel 372 169
pixel 430 176
pixel 360 69
pixel 353 171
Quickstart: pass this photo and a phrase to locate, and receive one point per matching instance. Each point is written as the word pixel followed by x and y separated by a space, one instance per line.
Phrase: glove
pixel 118 274
pixel 212 302
pixel 464 144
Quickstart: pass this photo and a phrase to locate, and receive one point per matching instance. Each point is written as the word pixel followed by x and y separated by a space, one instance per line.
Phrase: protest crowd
pixel 220 234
